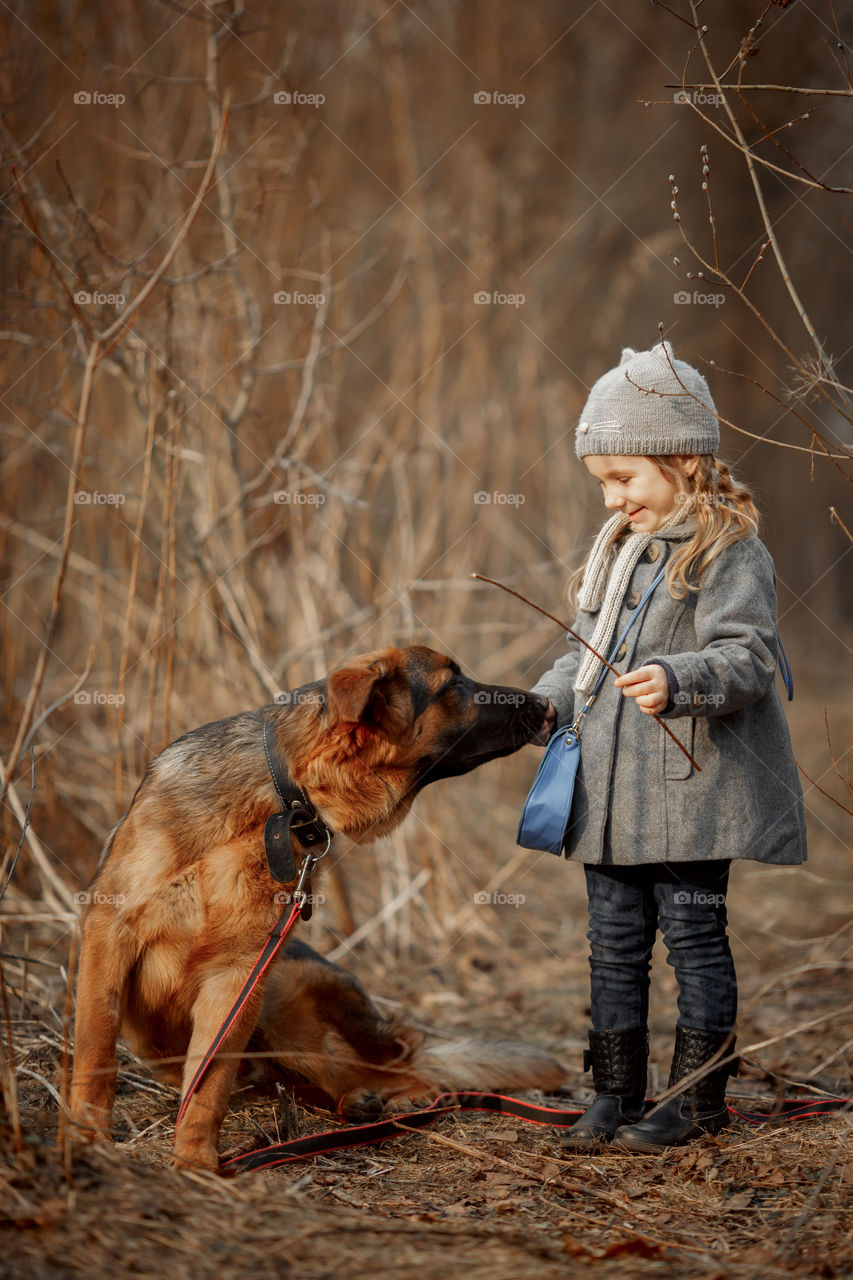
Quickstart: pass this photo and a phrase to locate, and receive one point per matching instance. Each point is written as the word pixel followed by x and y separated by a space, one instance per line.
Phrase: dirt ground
pixel 491 1195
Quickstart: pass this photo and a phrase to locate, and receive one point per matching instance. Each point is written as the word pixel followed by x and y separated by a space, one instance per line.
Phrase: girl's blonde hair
pixel 725 513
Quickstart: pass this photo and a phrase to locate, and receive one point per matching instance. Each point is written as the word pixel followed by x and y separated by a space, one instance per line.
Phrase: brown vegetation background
pixel 274 486
pixel 380 414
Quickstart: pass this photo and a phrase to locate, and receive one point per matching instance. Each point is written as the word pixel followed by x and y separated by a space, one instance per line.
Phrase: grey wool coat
pixel 637 798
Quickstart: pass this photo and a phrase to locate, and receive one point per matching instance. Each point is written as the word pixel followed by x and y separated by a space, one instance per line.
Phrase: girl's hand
pixel 648 685
pixel 543 737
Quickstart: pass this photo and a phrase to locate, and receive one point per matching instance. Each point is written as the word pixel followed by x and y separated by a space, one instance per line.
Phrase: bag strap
pixel 639 609
pixel 785 668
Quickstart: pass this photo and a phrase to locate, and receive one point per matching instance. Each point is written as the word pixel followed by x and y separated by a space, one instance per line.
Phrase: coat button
pixel 652 552
pixel 697 699
pixel 620 652
pixel 632 599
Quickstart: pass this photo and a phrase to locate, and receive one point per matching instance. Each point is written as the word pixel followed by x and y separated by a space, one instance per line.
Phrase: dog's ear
pixel 368 695
pixel 350 691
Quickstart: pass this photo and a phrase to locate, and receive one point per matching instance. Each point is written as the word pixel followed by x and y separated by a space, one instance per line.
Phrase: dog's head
pixel 387 723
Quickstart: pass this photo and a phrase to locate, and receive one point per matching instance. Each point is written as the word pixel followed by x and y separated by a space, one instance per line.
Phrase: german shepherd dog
pixel 184 898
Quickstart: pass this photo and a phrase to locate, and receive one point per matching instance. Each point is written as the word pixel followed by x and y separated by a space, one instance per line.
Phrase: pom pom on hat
pixel 650 404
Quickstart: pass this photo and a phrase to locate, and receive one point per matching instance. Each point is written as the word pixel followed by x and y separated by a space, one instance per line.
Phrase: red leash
pixel 358 1135
pixel 277 936
pixel 393 1127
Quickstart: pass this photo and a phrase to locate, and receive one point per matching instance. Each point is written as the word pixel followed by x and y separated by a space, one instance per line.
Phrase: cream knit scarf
pixel 604 588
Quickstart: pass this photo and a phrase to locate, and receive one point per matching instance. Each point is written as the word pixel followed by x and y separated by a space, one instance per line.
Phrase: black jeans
pixel 688 901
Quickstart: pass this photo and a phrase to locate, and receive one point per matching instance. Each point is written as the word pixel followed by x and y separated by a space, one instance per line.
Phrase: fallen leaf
pixel 638 1246
pixel 741 1200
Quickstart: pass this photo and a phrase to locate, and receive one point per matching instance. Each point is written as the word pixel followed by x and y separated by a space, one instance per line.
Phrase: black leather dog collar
pixel 298 816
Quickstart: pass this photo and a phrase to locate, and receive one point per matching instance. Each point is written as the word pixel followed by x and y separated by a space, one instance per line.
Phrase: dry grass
pixel 492 1195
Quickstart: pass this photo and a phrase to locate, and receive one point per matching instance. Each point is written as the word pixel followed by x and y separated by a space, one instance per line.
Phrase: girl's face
pixel 636 486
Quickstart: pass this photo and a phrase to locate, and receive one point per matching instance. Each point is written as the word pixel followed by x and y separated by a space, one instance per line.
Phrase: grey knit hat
pixel 647 406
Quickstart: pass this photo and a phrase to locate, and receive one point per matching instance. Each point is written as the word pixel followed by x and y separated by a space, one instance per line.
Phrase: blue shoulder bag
pixel 546 810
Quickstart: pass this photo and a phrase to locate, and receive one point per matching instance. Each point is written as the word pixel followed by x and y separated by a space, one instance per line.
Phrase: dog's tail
pixel 486 1065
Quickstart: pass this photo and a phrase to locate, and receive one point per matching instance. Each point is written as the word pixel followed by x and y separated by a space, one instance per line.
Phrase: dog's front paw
pixel 361 1104
pixel 196 1158
pixel 91 1124
pixel 396 1106
pixel 366 1104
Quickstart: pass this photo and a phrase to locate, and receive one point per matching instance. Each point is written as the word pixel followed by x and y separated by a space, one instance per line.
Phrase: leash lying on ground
pixel 449 1103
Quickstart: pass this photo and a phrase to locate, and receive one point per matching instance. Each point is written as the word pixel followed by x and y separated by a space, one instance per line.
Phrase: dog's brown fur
pixel 184 899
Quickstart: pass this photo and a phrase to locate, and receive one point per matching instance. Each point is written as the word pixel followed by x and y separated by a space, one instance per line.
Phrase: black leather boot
pixel 618 1060
pixel 700 1108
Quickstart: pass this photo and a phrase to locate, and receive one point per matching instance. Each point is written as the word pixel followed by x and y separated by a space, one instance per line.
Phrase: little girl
pixel 655 835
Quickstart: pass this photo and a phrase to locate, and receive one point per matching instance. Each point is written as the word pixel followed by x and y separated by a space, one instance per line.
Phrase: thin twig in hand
pixel 482 578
